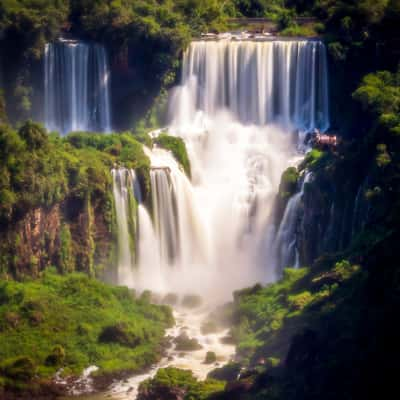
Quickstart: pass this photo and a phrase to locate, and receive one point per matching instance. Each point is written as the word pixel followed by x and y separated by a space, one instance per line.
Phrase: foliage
pixel 74 329
pixel 171 378
pixel 178 148
pixel 380 94
pixel 288 184
pixel 39 169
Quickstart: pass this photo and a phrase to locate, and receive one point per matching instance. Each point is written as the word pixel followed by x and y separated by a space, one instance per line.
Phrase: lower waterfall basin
pixel 189 322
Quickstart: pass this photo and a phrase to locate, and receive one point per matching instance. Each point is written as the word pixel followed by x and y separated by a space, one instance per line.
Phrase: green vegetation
pixel 73 322
pixel 178 148
pixel 170 381
pixel 380 94
pixel 66 185
pixel 40 169
pixel 288 185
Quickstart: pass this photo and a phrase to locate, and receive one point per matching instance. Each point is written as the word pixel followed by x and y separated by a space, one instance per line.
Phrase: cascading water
pixel 260 82
pixel 77 93
pixel 284 248
pixel 124 184
pixel 238 110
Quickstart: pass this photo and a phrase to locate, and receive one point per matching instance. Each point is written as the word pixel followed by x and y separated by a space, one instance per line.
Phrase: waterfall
pixel 285 246
pixel 124 183
pixel 260 82
pixel 239 109
pixel 77 92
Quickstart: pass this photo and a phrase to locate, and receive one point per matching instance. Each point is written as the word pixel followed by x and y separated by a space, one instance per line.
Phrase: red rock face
pixel 33 243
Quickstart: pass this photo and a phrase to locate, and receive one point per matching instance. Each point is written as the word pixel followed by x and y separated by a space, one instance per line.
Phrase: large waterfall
pixel 77 93
pixel 260 82
pixel 240 109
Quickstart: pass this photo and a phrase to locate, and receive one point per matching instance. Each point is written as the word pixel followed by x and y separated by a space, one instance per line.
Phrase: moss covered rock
pixel 184 343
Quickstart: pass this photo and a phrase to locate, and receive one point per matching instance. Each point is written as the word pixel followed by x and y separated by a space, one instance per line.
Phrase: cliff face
pixel 72 235
pixel 335 204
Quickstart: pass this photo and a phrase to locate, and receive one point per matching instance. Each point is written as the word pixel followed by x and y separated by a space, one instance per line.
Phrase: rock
pixel 162 392
pixel 171 299
pixel 228 372
pixel 210 357
pixel 227 340
pixel 184 343
pixel 209 327
pixel 192 301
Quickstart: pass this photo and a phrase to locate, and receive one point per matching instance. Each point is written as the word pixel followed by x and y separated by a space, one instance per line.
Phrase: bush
pixel 57 356
pixel 120 334
pixel 20 369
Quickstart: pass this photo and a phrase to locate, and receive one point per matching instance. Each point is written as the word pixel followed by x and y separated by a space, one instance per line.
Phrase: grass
pixel 61 321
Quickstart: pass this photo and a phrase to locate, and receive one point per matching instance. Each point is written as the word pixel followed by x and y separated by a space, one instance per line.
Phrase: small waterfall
pixel 77 92
pixel 285 247
pixel 260 82
pixel 124 182
pixel 165 213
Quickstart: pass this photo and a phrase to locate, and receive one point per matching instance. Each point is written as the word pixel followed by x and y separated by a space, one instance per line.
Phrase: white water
pixel 260 83
pixel 285 250
pixel 240 109
pixel 77 93
pixel 188 321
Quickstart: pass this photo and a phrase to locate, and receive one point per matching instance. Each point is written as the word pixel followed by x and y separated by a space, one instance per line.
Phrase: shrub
pixel 119 333
pixel 56 357
pixel 21 368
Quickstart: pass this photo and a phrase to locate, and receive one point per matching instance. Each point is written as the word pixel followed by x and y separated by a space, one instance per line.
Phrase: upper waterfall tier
pixel 77 94
pixel 264 82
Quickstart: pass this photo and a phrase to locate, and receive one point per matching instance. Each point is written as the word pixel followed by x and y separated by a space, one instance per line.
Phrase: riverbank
pixel 190 322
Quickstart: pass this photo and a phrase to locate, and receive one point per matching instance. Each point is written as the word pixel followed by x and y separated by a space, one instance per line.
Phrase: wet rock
pixel 192 301
pixel 209 327
pixel 184 343
pixel 211 357
pixel 227 340
pixel 161 392
pixel 171 299
pixel 228 372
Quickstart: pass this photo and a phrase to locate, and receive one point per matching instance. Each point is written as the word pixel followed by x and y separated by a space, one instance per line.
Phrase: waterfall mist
pixel 77 92
pixel 240 110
